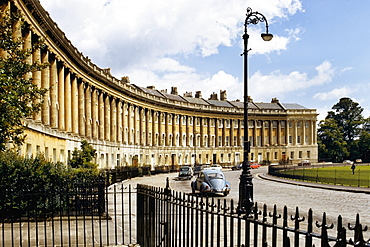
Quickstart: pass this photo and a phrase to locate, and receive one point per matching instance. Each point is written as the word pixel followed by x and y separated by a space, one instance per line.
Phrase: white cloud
pixel 277 84
pixel 122 34
pixel 334 94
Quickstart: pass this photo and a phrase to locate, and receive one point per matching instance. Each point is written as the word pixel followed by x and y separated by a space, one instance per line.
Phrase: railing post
pixel 167 210
pixel 140 216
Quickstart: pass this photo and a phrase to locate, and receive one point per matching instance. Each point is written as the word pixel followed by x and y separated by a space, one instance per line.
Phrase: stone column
pixel 201 120
pixel 61 97
pixel 125 123
pixel 278 133
pixel 45 83
pixel 119 121
pixel 148 127
pixel 295 132
pixel 88 120
pixel 142 131
pixel 101 117
pixel 155 130
pixel 254 130
pixel 28 46
pixel 303 132
pixel 217 126
pixel 53 93
pixel 287 129
pixel 75 102
pixel 68 101
pixel 36 76
pixel 113 123
pixel 271 133
pixel 81 108
pixel 95 113
pixel 107 118
pixel 224 132
pixel 160 131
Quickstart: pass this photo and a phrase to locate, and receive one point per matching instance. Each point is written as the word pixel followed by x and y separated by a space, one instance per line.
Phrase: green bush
pixel 37 186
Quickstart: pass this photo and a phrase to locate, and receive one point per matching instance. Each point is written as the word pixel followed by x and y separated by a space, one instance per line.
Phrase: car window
pixel 215 175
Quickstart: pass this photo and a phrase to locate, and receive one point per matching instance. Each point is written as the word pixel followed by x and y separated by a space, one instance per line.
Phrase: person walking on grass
pixel 353 167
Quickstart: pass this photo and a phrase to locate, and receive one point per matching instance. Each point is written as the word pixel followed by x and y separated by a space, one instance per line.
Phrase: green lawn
pixel 340 175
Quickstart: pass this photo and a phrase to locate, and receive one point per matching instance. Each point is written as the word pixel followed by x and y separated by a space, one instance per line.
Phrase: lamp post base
pixel 245 192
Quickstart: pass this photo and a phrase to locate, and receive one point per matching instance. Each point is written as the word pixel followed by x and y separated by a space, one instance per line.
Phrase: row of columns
pixel 75 106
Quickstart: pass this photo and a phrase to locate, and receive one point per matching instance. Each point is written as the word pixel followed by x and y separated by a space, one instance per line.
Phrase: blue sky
pixel 319 52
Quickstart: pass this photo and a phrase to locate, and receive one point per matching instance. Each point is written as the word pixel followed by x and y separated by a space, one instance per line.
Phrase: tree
pixel 348 115
pixel 83 158
pixel 361 147
pixel 19 96
pixel 332 145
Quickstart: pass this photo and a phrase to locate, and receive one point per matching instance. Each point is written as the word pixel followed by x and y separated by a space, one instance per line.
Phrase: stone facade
pixel 132 125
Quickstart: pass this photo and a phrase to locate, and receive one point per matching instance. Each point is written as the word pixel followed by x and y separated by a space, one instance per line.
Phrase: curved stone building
pixel 133 125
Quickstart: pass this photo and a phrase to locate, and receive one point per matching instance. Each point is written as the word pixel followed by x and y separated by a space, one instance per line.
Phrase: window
pixel 235 124
pixel 300 154
pixel 169 119
pixel 282 124
pixel 259 141
pixel 299 124
pixel 298 139
pixel 290 139
pixel 308 154
pixel 220 123
pixel 227 141
pixel 292 155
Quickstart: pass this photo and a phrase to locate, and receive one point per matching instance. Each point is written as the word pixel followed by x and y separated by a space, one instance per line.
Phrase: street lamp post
pixel 245 185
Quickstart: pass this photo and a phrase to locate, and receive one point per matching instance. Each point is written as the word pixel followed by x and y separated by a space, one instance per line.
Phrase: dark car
pixel 237 167
pixel 197 169
pixel 211 181
pixel 185 172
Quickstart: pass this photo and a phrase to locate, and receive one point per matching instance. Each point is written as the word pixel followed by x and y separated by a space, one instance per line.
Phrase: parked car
pixel 348 162
pixel 196 170
pixel 211 181
pixel 185 172
pixel 254 165
pixel 358 161
pixel 238 166
pixel 216 167
pixel 304 163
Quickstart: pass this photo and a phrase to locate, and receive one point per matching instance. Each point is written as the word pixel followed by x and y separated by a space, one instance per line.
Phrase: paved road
pixel 267 192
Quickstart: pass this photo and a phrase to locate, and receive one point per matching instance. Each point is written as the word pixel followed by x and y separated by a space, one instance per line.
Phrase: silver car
pixel 211 181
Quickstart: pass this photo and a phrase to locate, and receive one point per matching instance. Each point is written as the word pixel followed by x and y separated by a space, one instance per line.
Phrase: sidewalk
pixel 315 185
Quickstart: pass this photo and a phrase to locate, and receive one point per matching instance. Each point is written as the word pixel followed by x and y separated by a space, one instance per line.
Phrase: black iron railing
pixel 107 216
pixel 169 218
pixel 82 214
